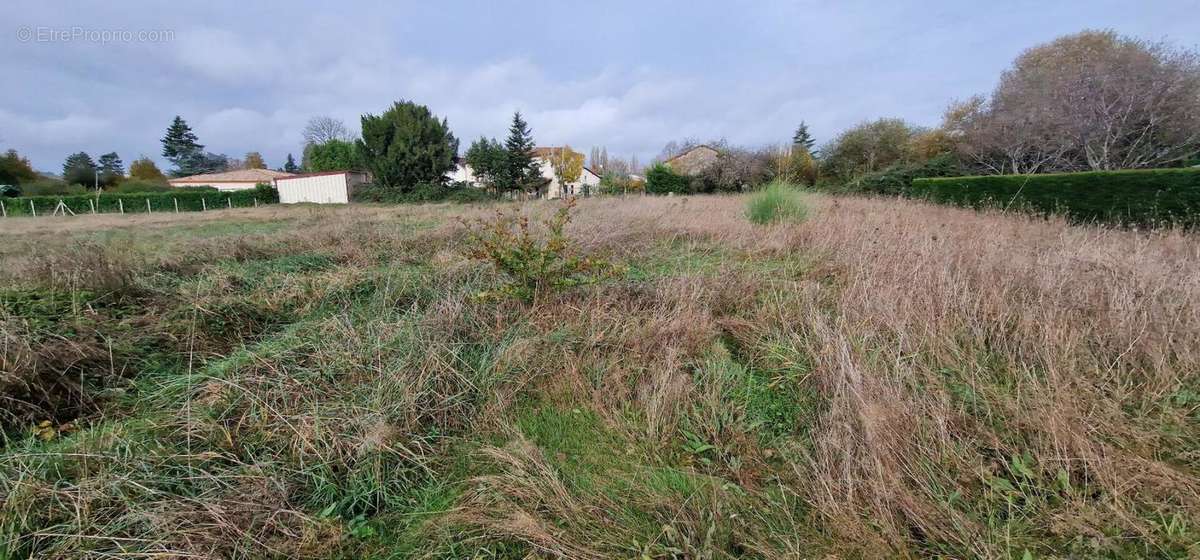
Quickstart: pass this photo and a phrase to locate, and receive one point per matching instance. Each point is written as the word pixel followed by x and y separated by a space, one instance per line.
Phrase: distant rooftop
pixel 235 176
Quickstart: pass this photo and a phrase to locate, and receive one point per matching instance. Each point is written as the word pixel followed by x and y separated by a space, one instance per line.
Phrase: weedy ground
pixel 882 379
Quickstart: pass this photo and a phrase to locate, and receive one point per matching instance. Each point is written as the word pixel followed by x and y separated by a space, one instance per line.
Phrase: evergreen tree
pixel 112 169
pixel 522 171
pixel 180 147
pixel 802 139
pixel 407 146
pixel 290 165
pixel 79 169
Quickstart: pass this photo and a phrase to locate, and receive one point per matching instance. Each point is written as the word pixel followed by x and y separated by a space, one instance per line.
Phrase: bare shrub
pixel 1093 100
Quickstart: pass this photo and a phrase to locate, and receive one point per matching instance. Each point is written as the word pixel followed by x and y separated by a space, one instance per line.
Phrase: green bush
pixel 897 179
pixel 266 193
pixel 425 192
pixel 1149 197
pixel 333 155
pixel 777 202
pixel 661 179
pixel 189 200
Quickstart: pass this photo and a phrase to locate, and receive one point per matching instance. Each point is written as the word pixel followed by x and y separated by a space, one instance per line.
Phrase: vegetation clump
pixel 1136 197
pixel 777 202
pixel 661 179
pixel 534 264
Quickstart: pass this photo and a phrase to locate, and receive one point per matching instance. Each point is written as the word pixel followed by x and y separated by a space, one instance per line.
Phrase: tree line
pixel 1090 101
pixel 1094 100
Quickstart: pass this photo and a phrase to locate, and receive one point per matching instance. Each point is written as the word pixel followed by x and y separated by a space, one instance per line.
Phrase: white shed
pixel 333 187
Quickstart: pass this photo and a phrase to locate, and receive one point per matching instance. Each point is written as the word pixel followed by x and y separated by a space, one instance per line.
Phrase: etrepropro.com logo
pixel 81 34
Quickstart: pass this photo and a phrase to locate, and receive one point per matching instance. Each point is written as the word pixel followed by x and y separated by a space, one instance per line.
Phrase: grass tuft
pixel 777 202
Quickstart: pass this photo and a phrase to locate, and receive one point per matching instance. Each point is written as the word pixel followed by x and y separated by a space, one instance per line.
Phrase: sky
pixel 629 76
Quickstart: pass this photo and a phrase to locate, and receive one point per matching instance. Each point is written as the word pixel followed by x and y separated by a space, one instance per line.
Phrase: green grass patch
pixel 678 257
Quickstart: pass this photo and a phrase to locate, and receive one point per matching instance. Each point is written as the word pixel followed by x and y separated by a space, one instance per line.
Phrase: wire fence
pixel 127 204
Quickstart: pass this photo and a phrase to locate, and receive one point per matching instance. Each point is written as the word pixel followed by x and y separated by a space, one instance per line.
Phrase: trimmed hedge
pixel 189 201
pixel 461 193
pixel 1146 197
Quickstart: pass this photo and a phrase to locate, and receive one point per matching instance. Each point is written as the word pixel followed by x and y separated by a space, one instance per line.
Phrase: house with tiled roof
pixel 694 161
pixel 236 180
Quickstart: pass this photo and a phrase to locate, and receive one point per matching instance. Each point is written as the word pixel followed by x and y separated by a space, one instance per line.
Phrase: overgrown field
pixel 881 379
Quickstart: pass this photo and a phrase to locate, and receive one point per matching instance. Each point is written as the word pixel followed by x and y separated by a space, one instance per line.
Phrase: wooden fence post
pixel 176 204
pixel 256 202
pixel 121 205
pixel 148 206
pixel 32 210
pixel 3 210
pixel 230 201
pixel 203 205
pixel 92 205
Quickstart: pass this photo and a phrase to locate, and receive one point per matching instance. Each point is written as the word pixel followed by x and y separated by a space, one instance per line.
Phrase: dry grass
pixel 884 379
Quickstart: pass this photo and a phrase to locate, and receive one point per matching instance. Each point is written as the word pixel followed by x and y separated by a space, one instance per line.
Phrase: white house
pixel 587 178
pixel 236 180
pixel 332 187
pixel 462 173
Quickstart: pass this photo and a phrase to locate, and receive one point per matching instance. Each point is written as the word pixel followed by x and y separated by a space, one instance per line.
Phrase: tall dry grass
pixel 884 379
pixel 1071 345
pixel 973 370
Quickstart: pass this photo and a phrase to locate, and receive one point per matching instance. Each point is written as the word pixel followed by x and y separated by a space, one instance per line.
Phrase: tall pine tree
pixel 522 171
pixel 112 169
pixel 79 169
pixel 181 148
pixel 802 139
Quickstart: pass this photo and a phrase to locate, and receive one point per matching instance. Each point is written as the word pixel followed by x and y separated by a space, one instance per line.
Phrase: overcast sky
pixel 627 75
